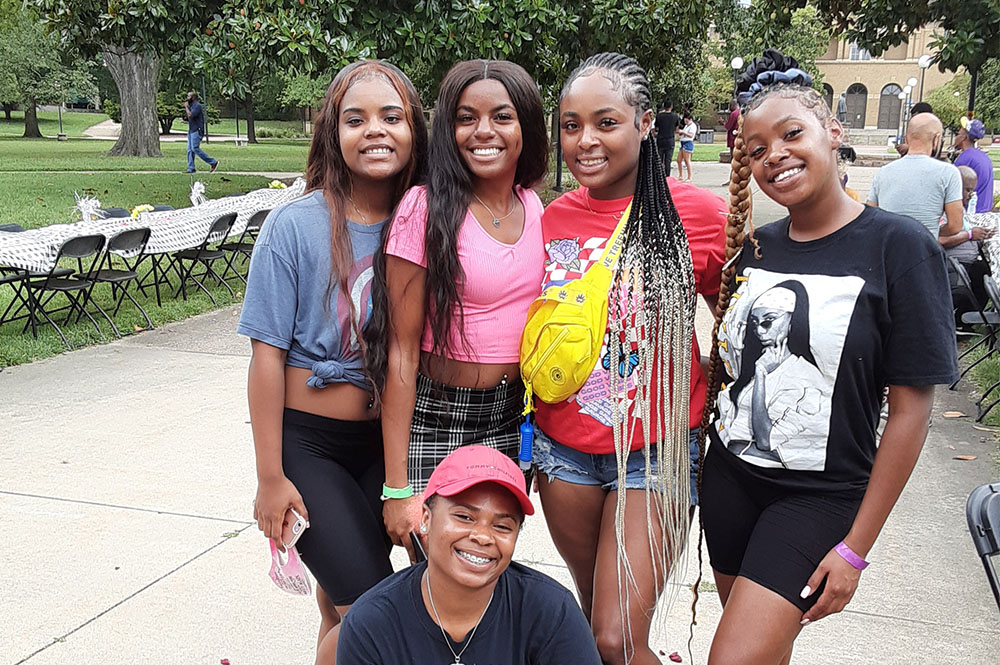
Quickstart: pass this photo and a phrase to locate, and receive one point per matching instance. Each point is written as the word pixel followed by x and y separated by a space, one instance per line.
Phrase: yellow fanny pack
pixel 564 331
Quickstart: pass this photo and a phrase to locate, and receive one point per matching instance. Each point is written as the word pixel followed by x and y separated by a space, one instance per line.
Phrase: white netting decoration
pixel 198 193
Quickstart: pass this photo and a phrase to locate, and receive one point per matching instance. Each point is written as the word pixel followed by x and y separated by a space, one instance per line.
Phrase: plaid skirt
pixel 446 418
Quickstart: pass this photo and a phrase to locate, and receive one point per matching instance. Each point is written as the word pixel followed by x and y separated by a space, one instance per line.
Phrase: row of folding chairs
pixel 987 316
pixel 117 262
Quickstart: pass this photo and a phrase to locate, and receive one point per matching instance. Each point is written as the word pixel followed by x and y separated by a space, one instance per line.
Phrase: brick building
pixel 872 85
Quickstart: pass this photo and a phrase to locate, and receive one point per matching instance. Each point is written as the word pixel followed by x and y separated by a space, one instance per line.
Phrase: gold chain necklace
pixel 364 220
pixel 497 220
pixel 617 216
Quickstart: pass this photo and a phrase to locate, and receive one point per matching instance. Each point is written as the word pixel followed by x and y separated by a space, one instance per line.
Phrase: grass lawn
pixel 228 126
pixel 48 122
pixel 38 199
pixel 89 155
pixel 17 347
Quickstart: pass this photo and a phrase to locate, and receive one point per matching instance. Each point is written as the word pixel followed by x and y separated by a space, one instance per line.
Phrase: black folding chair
pixel 982 511
pixel 114 213
pixel 980 316
pixel 203 255
pixel 159 207
pixel 243 247
pixel 992 319
pixel 20 305
pixel 127 243
pixel 76 288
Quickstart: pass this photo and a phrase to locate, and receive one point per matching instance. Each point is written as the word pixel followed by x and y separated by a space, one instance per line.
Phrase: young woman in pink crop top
pixel 462 262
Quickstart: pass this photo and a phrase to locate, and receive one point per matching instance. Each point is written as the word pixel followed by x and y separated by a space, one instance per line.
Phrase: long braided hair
pixel 651 304
pixel 771 67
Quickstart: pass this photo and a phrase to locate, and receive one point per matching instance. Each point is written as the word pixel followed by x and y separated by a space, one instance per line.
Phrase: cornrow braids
pixel 624 74
pixel 652 304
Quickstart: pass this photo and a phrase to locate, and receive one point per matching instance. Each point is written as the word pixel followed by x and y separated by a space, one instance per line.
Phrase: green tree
pixel 131 36
pixel 989 93
pixel 948 101
pixel 968 32
pixel 34 72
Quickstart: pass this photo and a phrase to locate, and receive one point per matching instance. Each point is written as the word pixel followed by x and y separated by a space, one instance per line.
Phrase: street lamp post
pixel 61 136
pixel 908 91
pixel 923 62
pixel 736 64
pixel 901 96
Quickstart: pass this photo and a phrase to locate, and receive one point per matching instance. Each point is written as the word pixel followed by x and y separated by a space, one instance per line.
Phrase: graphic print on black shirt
pixel 782 339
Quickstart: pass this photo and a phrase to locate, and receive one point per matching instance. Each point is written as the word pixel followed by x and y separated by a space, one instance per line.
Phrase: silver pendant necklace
pixel 497 220
pixel 447 641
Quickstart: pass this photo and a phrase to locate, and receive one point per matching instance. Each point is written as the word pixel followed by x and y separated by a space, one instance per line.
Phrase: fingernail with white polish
pixel 806 592
pixel 804 622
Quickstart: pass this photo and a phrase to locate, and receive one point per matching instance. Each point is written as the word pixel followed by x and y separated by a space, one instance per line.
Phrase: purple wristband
pixel 848 555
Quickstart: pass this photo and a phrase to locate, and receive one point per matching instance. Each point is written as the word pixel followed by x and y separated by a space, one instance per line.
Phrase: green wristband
pixel 396 493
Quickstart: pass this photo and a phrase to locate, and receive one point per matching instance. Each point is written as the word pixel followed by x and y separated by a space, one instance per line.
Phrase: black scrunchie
pixel 771 67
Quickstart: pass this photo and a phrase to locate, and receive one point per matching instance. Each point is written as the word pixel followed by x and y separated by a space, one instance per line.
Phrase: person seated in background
pixel 469 602
pixel 964 247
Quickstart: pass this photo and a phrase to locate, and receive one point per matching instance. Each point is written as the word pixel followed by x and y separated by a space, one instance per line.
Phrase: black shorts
pixel 336 465
pixel 767 535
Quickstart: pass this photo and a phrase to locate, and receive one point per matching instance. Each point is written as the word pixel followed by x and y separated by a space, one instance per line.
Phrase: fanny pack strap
pixel 614 246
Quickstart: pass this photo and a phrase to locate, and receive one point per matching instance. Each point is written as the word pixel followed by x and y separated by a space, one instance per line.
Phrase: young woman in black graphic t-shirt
pixel 820 312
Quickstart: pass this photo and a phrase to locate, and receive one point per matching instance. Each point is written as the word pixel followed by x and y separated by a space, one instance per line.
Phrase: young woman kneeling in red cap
pixel 469 602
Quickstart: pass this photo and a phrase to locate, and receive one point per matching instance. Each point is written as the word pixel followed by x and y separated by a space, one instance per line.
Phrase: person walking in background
pixel 977 160
pixel 918 185
pixel 666 128
pixel 196 129
pixel 686 134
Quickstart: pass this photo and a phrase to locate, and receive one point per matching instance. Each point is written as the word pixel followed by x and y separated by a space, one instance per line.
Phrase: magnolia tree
pixel 131 36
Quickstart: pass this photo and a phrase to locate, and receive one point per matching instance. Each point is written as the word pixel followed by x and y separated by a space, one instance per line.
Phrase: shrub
pixel 113 109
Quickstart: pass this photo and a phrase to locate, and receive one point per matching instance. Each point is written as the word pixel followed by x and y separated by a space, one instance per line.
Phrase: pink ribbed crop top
pixel 501 280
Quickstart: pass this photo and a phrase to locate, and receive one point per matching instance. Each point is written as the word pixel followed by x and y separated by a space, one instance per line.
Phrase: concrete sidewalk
pixel 126 480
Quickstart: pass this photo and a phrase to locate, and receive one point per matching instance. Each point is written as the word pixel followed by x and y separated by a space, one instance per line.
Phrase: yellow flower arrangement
pixel 277 184
pixel 138 210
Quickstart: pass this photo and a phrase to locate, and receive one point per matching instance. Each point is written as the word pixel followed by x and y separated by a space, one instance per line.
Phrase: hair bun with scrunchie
pixel 770 68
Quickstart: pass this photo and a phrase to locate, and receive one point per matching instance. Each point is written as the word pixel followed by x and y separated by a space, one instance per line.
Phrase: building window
pixel 858 53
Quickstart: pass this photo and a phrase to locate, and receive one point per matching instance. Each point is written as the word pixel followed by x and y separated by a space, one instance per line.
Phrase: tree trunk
pixel 251 131
pixel 31 130
pixel 137 76
pixel 7 108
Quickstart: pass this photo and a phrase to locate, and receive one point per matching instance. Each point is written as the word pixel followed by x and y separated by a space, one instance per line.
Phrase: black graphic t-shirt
pixel 813 333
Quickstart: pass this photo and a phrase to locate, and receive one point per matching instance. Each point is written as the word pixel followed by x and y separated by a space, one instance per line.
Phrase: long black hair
pixel 326 170
pixel 449 183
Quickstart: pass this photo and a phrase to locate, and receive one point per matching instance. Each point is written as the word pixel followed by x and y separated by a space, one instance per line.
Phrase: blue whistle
pixel 527 438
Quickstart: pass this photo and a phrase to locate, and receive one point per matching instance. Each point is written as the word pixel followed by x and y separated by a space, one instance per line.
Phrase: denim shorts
pixel 561 462
pixel 687 146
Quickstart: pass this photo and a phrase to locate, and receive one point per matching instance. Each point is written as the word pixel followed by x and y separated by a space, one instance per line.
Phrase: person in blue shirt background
pixel 196 129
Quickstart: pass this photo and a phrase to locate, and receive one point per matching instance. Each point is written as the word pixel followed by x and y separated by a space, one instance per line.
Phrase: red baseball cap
pixel 472 465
